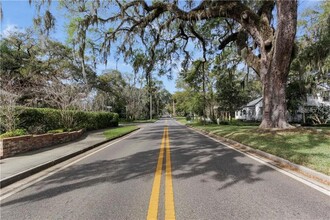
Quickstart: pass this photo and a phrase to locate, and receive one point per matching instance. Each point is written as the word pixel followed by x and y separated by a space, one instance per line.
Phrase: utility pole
pixel 204 93
pixel 150 98
pixel 150 106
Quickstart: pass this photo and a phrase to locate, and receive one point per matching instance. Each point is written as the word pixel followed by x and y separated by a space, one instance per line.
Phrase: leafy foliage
pixel 230 94
pixel 311 66
pixel 41 120
pixel 313 53
pixel 17 132
pixel 28 63
pixel 167 31
pixel 296 96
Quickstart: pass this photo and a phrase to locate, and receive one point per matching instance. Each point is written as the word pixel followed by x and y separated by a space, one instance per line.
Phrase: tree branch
pixel 200 38
pixel 266 9
pixel 206 10
pixel 227 40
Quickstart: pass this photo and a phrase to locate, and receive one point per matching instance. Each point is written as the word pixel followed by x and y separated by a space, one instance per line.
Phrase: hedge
pixel 41 120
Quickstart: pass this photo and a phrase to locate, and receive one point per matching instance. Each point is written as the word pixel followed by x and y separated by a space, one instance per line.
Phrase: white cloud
pixel 9 29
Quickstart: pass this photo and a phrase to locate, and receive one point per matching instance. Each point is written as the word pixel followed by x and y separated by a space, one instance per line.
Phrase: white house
pixel 321 98
pixel 253 110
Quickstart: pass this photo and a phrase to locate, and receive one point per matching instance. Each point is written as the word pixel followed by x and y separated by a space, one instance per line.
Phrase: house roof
pixel 254 102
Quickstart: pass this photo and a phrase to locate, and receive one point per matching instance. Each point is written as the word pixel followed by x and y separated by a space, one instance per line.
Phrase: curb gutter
pixel 275 160
pixel 12 179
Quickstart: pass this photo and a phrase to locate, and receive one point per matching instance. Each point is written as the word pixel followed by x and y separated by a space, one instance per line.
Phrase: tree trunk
pixel 274 101
pixel 275 65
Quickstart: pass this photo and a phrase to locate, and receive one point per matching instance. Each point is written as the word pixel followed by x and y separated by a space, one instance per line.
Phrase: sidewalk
pixel 23 165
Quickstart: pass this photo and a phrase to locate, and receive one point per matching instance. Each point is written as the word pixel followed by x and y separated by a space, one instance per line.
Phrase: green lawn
pixel 181 119
pixel 319 128
pixel 119 131
pixel 310 148
pixel 145 121
pixel 138 121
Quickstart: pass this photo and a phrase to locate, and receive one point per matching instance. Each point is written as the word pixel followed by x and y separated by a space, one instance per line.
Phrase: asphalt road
pixel 172 172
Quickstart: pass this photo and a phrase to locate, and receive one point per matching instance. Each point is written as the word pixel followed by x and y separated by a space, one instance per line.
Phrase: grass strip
pixel 310 148
pixel 145 121
pixel 119 131
pixel 138 121
pixel 181 119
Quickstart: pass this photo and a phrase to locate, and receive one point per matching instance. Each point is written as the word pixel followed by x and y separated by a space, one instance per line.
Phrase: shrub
pixel 39 120
pixel 42 120
pixel 17 132
pixel 55 131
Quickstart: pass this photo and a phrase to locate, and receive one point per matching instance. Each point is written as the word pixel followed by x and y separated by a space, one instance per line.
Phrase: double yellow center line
pixel 169 198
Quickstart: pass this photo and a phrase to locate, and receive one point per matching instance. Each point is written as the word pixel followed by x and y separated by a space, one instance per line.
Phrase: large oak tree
pixel 168 28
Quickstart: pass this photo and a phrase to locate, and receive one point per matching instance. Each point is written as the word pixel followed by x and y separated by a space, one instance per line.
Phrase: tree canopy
pixel 169 29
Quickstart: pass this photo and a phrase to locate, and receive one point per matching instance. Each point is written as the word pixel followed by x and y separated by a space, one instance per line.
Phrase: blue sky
pixel 19 14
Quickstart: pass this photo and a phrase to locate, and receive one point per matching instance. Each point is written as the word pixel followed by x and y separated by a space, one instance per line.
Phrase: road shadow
pixel 192 156
pixel 200 156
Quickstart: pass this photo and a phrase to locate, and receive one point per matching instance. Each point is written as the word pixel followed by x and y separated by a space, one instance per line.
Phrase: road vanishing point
pixel 164 171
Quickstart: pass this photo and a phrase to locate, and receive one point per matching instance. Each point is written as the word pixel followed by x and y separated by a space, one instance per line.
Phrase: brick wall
pixel 14 145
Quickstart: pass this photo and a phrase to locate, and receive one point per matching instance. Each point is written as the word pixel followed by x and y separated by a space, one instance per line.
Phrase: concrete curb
pixel 12 179
pixel 275 160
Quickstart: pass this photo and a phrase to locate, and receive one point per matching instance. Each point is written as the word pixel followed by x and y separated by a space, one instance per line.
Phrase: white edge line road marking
pixel 20 188
pixel 300 179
